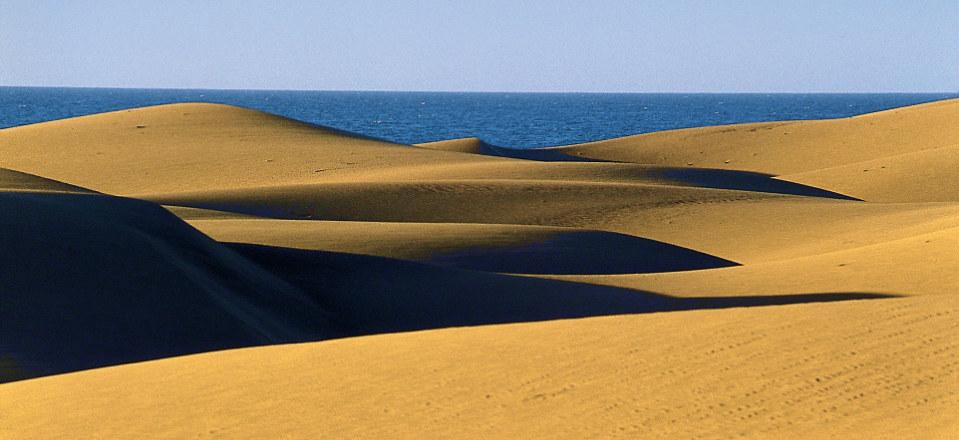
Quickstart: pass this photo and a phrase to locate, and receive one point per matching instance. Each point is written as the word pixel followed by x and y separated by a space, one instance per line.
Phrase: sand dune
pixel 721 219
pixel 789 147
pixel 922 176
pixel 442 201
pixel 924 264
pixel 11 180
pixel 386 295
pixel 776 280
pixel 880 369
pixel 194 146
pixel 472 145
pixel 91 280
pixel 487 247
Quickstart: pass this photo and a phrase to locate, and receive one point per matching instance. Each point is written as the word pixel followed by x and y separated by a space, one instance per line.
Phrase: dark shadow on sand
pixel 700 177
pixel 90 280
pixel 581 253
pixel 382 295
pixel 537 154
pixel 745 181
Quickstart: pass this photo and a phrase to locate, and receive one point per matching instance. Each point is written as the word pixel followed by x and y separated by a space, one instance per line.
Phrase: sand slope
pixel 789 147
pixel 89 280
pixel 922 176
pixel 189 147
pixel 872 370
pixel 775 280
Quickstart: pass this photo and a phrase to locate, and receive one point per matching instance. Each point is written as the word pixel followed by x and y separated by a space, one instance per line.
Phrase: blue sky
pixel 615 46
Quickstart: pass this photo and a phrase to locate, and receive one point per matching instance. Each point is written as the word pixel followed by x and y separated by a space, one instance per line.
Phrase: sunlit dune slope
pixel 191 146
pixel 921 176
pixel 923 264
pixel 792 146
pixel 864 369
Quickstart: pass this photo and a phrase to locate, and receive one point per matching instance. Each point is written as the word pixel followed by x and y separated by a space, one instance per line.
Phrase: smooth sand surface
pixel 777 280
pixel 881 369
pixel 789 147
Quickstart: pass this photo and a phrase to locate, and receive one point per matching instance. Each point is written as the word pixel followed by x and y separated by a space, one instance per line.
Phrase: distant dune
pixel 775 280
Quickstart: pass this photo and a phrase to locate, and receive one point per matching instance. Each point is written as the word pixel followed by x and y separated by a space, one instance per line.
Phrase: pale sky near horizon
pixel 598 46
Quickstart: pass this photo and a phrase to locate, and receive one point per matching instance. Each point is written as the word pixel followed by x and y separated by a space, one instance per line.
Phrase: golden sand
pixel 774 280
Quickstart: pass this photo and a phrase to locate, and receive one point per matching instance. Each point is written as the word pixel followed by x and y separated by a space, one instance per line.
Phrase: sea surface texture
pixel 517 120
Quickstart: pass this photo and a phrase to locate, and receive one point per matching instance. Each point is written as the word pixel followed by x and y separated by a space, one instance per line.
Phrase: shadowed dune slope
pixel 861 369
pixel 90 280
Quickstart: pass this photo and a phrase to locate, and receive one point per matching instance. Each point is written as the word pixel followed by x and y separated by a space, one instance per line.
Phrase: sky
pixel 516 45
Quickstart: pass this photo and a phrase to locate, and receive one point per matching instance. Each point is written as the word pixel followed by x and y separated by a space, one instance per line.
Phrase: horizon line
pixel 678 92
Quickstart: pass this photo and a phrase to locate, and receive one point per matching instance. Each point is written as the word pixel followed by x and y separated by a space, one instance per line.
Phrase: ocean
pixel 517 120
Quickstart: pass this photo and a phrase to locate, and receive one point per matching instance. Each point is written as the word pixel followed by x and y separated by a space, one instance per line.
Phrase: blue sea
pixel 518 120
